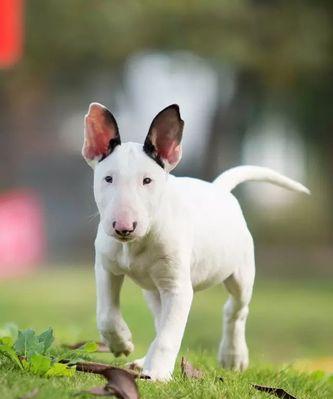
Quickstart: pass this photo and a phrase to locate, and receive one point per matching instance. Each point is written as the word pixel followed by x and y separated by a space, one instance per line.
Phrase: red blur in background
pixel 11 32
pixel 22 242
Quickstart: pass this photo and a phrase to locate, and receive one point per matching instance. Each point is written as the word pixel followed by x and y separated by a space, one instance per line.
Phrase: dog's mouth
pixel 122 238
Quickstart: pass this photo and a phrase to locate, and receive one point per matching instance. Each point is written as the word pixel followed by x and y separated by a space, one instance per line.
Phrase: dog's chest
pixel 136 264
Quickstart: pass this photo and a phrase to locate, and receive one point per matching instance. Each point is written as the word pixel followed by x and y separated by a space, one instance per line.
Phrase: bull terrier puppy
pixel 171 235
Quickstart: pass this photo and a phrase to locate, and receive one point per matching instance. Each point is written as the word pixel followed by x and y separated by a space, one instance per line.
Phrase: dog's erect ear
pixel 163 142
pixel 101 134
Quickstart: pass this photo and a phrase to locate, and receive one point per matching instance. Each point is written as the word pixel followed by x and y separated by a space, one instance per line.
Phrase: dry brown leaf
pixel 99 391
pixel 189 371
pixel 99 368
pixel 278 392
pixel 92 367
pixel 120 382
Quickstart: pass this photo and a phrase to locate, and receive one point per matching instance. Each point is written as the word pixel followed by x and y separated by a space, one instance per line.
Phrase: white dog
pixel 171 235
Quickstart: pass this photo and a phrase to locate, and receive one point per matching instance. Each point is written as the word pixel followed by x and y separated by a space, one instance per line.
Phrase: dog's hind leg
pixel 154 303
pixel 233 351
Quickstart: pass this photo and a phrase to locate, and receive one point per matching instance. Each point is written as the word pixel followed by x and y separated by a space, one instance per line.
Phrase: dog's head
pixel 130 178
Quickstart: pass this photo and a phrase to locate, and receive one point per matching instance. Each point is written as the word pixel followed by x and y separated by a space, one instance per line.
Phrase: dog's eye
pixel 146 180
pixel 108 179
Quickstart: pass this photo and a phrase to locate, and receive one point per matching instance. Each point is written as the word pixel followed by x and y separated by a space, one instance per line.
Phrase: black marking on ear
pixel 111 119
pixel 150 150
pixel 114 141
pixel 112 145
pixel 148 147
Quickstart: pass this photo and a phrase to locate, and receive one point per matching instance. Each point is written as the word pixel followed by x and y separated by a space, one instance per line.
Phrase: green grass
pixel 288 321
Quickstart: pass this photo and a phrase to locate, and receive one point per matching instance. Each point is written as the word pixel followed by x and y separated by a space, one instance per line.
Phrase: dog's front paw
pixel 117 344
pixel 123 348
pixel 118 337
pixel 234 361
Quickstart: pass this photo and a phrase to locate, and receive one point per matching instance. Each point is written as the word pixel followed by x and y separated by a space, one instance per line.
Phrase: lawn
pixel 288 322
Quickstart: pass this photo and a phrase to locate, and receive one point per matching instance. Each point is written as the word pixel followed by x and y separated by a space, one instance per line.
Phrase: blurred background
pixel 254 81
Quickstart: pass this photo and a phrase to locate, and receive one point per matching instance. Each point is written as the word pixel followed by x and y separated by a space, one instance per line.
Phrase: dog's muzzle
pixel 124 234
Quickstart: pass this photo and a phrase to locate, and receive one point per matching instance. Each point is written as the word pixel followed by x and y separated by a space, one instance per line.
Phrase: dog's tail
pixel 232 177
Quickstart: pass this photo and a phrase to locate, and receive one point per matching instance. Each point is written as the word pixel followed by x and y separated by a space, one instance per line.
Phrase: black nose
pixel 124 233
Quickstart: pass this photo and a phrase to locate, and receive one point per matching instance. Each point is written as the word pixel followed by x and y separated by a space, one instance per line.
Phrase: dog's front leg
pixel 161 357
pixel 110 323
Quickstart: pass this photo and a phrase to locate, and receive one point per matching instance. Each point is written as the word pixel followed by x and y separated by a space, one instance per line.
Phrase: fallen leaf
pixel 30 395
pixel 101 346
pixel 92 367
pixel 278 392
pixel 120 382
pixel 100 368
pixel 189 371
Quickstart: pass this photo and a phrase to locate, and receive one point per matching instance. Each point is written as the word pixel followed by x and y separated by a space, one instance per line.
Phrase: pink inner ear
pixel 174 154
pixel 164 137
pixel 97 139
pixel 168 150
pixel 99 130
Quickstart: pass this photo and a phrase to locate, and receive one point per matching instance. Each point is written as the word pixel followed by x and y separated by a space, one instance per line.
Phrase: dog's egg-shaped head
pixel 130 178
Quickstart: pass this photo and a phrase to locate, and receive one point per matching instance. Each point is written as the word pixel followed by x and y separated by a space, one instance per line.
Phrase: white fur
pixel 232 177
pixel 190 235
